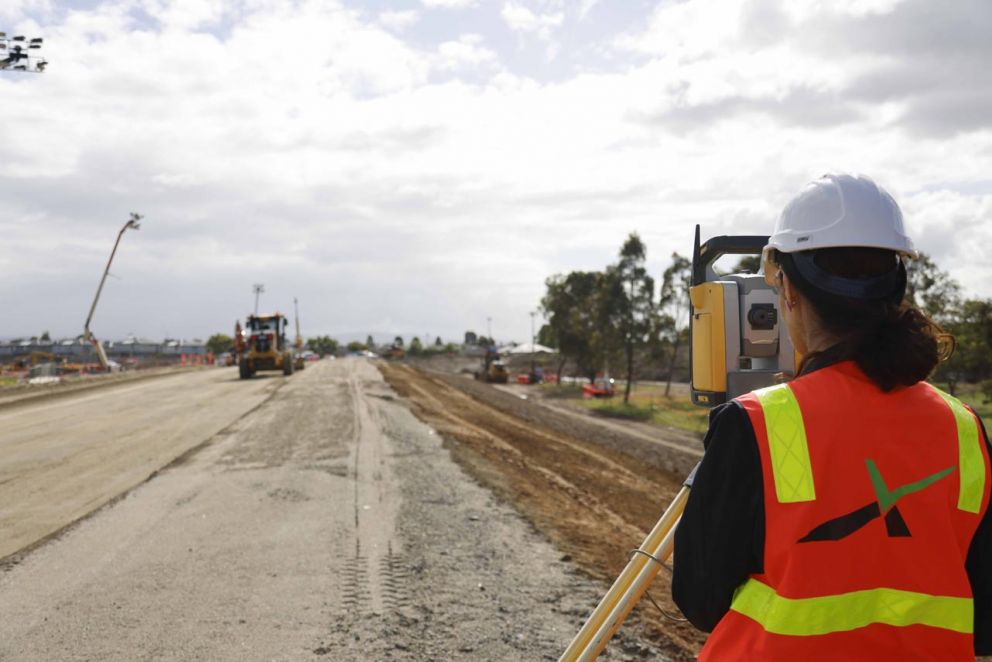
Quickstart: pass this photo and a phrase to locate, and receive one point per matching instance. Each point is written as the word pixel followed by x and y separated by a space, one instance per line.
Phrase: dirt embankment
pixel 676 454
pixel 595 500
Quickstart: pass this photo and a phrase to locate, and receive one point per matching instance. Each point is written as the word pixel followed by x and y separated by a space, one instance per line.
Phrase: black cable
pixel 665 614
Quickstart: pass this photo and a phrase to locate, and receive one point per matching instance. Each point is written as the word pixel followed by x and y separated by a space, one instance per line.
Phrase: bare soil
pixel 595 494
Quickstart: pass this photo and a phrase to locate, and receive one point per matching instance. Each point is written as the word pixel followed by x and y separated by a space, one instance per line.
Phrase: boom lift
pixel 298 360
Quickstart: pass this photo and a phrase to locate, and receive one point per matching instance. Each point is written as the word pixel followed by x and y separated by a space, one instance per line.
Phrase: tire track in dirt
pixel 595 503
pixel 370 581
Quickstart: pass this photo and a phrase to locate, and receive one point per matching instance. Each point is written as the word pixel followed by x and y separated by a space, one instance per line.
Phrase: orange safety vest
pixel 871 502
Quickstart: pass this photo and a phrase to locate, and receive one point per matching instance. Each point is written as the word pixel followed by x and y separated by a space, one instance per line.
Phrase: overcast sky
pixel 416 166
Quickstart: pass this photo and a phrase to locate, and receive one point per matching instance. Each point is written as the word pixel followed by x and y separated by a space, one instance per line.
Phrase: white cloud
pixel 802 9
pixel 11 12
pixel 520 18
pixel 466 52
pixel 371 171
pixel 586 6
pixel 185 14
pixel 448 4
pixel 398 21
pixel 953 227
pixel 691 30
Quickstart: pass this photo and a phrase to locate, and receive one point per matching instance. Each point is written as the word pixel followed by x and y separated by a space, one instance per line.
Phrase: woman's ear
pixel 790 296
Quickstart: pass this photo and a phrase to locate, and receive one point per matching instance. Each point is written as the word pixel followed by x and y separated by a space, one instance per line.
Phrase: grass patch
pixel 569 390
pixel 681 413
pixel 8 381
pixel 649 406
pixel 972 395
pixel 612 408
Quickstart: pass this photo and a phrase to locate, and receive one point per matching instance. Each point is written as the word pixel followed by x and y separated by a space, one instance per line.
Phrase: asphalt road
pixel 325 522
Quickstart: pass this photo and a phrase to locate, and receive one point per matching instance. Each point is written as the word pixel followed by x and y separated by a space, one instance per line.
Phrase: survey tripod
pixel 627 590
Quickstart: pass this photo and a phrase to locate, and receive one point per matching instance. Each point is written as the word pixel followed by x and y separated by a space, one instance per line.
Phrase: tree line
pixel 967 319
pixel 327 345
pixel 619 319
pixel 220 343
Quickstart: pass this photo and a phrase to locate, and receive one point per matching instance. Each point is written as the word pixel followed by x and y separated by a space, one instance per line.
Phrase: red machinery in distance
pixel 602 387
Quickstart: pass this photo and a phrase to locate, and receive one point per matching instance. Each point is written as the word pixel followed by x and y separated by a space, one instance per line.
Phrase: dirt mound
pixel 593 500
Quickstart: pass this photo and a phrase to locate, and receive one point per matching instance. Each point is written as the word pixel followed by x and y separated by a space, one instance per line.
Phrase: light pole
pixel 533 343
pixel 489 330
pixel 258 288
pixel 132 224
pixel 16 55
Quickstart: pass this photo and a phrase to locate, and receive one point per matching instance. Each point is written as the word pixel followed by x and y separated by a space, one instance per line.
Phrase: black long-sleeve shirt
pixel 721 538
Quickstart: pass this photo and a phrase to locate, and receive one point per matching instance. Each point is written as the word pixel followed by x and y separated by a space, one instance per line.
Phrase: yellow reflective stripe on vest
pixel 971 464
pixel 849 611
pixel 787 444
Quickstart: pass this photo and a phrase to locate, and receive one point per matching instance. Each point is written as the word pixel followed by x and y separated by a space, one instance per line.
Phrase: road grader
pixel 262 345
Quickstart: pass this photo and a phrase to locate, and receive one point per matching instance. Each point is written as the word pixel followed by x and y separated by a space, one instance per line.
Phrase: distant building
pixel 77 350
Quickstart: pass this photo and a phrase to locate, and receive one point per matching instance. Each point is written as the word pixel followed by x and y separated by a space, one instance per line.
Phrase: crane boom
pixel 299 338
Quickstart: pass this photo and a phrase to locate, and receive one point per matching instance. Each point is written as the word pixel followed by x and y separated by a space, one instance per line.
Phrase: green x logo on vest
pixel 884 505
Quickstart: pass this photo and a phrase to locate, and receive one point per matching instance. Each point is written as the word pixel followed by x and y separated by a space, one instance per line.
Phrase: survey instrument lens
pixel 762 316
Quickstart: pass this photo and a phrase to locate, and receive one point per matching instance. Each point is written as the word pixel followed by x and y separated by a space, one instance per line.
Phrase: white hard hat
pixel 841 210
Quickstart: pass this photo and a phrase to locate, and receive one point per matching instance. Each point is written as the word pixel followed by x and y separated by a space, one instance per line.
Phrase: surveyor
pixel 842 515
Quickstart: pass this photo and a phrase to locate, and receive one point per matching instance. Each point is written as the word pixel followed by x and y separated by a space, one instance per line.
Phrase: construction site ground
pixel 594 488
pixel 17 394
pixel 198 516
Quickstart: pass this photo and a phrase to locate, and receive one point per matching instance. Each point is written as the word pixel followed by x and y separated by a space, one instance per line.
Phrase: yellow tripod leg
pixel 628 588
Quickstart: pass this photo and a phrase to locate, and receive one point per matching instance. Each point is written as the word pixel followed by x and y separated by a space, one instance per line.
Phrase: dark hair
pixel 891 340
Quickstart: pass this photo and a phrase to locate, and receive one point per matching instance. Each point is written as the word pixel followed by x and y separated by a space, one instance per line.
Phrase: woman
pixel 842 516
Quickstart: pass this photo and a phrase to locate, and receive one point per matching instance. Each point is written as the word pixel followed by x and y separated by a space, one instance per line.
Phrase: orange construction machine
pixel 262 345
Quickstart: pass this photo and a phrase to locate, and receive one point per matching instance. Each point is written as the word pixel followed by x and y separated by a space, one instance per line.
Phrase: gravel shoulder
pixel 593 494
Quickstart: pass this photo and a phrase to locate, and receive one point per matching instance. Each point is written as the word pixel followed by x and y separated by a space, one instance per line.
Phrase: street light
pixel 533 344
pixel 132 224
pixel 16 54
pixel 258 288
pixel 489 330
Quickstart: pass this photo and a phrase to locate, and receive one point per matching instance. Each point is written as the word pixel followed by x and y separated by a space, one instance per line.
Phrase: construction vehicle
pixel 601 387
pixel 737 344
pixel 299 361
pixel 393 352
pixel 262 345
pixel 493 369
pixel 27 361
pixel 133 223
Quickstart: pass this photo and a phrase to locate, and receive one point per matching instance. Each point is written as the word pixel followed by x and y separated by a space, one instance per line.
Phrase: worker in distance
pixel 842 515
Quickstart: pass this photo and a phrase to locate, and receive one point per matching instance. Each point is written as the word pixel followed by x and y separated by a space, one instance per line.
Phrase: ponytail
pixel 902 350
